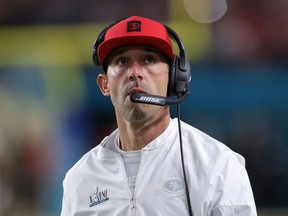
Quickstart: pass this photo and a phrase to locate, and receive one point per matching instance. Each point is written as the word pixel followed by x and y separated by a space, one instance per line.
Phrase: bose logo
pixel 150 99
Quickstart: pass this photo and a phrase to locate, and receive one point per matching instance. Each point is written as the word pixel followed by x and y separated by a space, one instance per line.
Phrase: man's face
pixel 134 69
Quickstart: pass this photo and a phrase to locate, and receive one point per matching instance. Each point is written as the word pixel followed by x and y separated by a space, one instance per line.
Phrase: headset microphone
pixel 155 99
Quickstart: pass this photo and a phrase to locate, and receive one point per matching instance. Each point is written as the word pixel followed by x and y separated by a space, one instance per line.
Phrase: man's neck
pixel 135 136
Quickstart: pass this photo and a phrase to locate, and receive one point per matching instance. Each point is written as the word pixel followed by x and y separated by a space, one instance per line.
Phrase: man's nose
pixel 135 72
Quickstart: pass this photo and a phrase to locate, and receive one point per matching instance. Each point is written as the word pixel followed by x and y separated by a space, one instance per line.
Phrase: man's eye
pixel 149 60
pixel 122 61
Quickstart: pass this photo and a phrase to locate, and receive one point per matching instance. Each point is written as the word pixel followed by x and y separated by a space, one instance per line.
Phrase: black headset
pixel 179 71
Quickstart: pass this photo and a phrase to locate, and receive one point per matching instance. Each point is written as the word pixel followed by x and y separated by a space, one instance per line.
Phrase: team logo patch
pixel 174 185
pixel 98 196
pixel 133 26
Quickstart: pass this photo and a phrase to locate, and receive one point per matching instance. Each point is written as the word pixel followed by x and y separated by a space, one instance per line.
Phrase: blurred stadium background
pixel 51 111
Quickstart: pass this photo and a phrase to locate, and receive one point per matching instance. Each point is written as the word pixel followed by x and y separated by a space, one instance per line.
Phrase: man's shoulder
pixel 84 161
pixel 199 136
pixel 90 159
pixel 206 147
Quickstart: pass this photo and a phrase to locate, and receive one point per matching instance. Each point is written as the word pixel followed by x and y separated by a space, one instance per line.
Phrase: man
pixel 137 169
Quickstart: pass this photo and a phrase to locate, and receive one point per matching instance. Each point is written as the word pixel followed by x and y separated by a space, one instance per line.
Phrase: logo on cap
pixel 133 26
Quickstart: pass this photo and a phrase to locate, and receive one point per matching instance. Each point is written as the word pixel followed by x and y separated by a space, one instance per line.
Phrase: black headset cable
pixel 182 162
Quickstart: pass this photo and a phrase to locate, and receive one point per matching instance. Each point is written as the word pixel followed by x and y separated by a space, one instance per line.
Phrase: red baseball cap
pixel 135 30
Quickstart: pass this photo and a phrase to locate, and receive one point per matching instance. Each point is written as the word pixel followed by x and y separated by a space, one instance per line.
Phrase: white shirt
pixel 131 160
pixel 217 179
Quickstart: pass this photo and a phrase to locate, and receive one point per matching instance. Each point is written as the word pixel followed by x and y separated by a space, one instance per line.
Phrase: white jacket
pixel 217 179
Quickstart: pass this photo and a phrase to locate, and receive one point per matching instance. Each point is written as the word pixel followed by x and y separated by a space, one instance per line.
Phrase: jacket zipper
pixel 132 201
pixel 132 207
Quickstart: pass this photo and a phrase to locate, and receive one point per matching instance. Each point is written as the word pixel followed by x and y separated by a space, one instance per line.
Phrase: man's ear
pixel 102 81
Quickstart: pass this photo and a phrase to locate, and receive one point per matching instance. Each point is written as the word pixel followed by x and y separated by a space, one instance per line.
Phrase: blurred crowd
pixel 253 31
pixel 49 117
pixel 248 31
pixel 14 12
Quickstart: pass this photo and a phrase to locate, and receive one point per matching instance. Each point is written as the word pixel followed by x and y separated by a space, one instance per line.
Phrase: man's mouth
pixel 136 90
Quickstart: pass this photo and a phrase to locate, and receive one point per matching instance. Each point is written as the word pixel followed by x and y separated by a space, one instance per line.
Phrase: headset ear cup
pixel 96 44
pixel 172 77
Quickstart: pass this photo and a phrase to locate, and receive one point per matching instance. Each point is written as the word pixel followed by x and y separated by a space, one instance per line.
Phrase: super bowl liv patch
pixel 98 196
